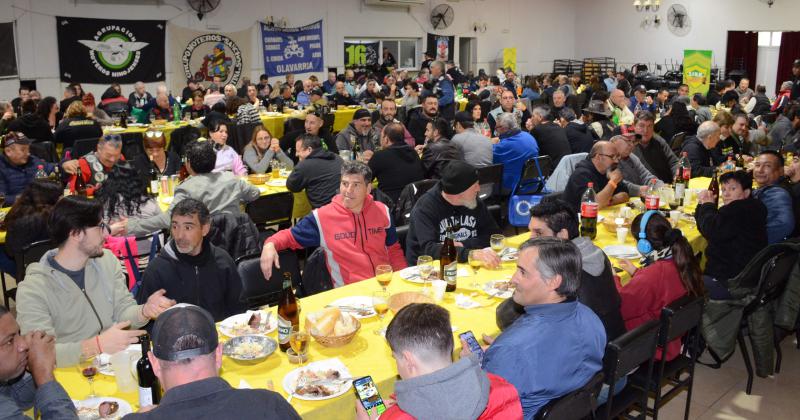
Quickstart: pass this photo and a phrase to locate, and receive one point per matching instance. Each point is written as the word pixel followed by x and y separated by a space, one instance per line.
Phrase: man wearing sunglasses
pixel 635 175
pixel 77 292
pixel 601 169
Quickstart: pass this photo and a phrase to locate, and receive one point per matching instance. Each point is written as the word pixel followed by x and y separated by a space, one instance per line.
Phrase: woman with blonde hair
pixel 262 149
pixel 76 125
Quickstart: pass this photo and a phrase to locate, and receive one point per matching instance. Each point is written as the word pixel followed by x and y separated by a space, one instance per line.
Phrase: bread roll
pixel 326 321
pixel 345 325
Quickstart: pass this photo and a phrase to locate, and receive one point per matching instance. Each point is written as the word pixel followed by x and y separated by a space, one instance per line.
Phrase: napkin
pixel 465 302
pixel 244 385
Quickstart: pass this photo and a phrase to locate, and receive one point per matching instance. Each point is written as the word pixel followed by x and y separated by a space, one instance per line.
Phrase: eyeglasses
pixel 113 138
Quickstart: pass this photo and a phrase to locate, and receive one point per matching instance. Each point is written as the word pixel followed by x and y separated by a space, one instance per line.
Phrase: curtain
pixel 742 53
pixel 790 51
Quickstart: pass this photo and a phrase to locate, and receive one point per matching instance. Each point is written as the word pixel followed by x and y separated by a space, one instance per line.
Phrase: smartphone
pixel 367 392
pixel 472 342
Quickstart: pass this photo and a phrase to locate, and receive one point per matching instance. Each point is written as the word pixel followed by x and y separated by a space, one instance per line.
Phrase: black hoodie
pixel 395 167
pixel 579 137
pixel 208 280
pixel 33 126
pixel 319 174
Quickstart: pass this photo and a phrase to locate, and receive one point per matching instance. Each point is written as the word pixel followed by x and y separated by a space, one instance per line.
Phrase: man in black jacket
pixel 597 289
pixel 419 117
pixel 454 203
pixel 652 150
pixel 396 164
pixel 578 135
pixel 551 137
pixel 191 269
pixel 312 125
pixel 318 172
pixel 700 149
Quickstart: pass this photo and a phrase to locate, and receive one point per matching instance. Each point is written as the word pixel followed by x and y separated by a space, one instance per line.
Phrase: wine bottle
pixel 154 179
pixel 448 261
pixel 149 387
pixel 714 188
pixel 80 184
pixel 288 312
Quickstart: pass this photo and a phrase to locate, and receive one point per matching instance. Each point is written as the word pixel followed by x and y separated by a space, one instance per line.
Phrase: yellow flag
pixel 510 58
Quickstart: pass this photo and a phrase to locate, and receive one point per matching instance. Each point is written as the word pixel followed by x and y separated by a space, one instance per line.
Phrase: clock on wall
pixel 678 20
pixel 442 16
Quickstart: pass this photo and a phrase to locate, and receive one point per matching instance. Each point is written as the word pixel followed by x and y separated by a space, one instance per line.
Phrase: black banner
pixel 110 50
pixel 361 54
pixel 8 64
pixel 442 47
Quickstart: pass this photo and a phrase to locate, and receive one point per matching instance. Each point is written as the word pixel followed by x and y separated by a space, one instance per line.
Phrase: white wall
pixel 540 29
pixel 767 69
pixel 612 28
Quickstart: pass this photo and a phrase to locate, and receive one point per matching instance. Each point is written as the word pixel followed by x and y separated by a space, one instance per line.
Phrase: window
pixel 404 50
pixel 769 39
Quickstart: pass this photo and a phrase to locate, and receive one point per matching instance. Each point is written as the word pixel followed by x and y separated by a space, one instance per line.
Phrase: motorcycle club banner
pixel 110 50
pixel 203 55
pixel 292 50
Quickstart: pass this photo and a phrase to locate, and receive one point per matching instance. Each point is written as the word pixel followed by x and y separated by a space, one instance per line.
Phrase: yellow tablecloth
pixel 167 129
pixel 274 123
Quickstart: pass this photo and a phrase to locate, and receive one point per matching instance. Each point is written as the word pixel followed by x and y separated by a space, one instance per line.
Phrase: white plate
pixel 124 407
pixel 489 288
pixel 262 189
pixel 281 182
pixel 509 254
pixel 115 129
pixel 357 302
pixel 622 251
pixel 105 359
pixel 290 380
pixel 228 325
pixel 410 274
pixel 166 200
pixel 137 125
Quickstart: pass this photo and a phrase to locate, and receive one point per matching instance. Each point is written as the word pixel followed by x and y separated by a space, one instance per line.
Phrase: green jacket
pixel 50 301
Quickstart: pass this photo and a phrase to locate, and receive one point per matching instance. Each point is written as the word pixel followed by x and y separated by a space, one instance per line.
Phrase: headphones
pixel 643 245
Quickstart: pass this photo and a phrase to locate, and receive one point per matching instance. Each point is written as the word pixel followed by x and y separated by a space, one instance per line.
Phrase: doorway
pixel 467 54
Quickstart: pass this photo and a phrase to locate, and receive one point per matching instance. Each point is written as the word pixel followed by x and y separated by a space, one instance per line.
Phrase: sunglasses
pixel 153 134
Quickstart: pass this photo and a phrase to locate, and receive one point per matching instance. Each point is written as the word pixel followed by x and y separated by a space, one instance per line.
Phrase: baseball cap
pixel 180 321
pixel 316 91
pixel 361 113
pixel 458 176
pixel 15 137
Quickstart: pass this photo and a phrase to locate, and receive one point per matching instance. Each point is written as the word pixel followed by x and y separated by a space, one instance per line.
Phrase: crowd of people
pixel 567 304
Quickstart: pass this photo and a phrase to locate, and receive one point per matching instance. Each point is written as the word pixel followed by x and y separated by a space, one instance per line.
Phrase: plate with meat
pixel 320 380
pixel 259 322
pixel 102 408
pixel 499 288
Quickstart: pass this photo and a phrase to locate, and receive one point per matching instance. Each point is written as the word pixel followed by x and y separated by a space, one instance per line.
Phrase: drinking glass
pixel 87 366
pixel 383 273
pixel 380 301
pixel 298 340
pixel 497 242
pixel 474 263
pixel 425 268
pixel 276 169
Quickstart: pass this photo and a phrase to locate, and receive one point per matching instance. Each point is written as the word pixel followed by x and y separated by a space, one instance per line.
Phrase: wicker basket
pixel 400 300
pixel 611 226
pixel 258 179
pixel 338 340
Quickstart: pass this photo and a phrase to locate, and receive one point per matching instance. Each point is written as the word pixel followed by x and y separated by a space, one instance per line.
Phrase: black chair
pixel 272 209
pixel 578 404
pixel 132 145
pixel 678 319
pixel 31 253
pixel 490 178
pixel 408 197
pixel 244 133
pixel 293 124
pixel 257 291
pixel 45 150
pixel 316 277
pixel 534 174
pixel 180 137
pixel 235 233
pixel 233 135
pixel 83 146
pixel 676 142
pixel 634 348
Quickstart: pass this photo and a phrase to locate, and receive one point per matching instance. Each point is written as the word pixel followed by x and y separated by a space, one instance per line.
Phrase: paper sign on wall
pixel 697 70
pixel 510 58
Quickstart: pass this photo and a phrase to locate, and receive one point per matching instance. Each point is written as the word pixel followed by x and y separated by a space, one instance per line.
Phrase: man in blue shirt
pixel 304 97
pixel 513 150
pixel 767 172
pixel 558 344
pixel 443 89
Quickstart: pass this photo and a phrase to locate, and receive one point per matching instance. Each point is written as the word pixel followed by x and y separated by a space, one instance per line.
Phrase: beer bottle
pixel 183 173
pixel 80 184
pixel 356 148
pixel 288 312
pixel 589 209
pixel 448 261
pixel 153 178
pixel 680 186
pixel 714 188
pixel 149 387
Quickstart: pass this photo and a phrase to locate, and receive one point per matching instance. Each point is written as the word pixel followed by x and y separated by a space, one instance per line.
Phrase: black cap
pixel 15 137
pixel 458 176
pixel 316 91
pixel 184 320
pixel 361 113
pixel 463 116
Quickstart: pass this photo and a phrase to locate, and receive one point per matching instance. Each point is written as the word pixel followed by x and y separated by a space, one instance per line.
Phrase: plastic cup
pixel 688 196
pixel 622 233
pixel 674 217
pixel 439 287
pixel 121 364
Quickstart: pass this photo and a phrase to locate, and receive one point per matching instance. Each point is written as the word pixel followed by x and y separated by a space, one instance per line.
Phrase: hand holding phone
pixel 469 338
pixel 368 394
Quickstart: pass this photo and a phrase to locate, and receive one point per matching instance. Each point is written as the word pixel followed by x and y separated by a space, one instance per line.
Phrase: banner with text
pixel 510 58
pixel 8 65
pixel 203 55
pixel 292 50
pixel 110 50
pixel 442 47
pixel 697 70
pixel 361 54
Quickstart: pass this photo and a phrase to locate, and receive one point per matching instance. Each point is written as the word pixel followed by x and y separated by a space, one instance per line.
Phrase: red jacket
pixel 354 243
pixel 652 288
pixel 503 403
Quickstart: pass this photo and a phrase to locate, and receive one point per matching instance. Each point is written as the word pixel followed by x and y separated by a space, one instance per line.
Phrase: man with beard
pixel 420 117
pixel 507 102
pixel 599 168
pixel 313 125
pixel 191 269
pixel 359 130
pixel 77 291
pixel 388 112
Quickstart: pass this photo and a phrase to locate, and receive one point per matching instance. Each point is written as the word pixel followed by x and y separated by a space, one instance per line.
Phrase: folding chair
pixel 578 404
pixel 45 150
pixel 31 253
pixel 83 146
pixel 271 209
pixel 258 291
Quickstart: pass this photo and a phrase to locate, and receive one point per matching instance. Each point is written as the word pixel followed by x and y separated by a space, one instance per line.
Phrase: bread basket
pixel 334 340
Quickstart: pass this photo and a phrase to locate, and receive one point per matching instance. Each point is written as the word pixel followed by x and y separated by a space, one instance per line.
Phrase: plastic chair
pixel 258 291
pixel 578 404
pixel 676 142
pixel 132 145
pixel 490 179
pixel 534 174
pixel 83 146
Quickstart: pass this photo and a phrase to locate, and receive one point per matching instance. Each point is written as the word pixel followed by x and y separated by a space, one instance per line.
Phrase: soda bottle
pixel 448 260
pixel 183 173
pixel 651 200
pixel 40 173
pixel 176 112
pixel 714 187
pixel 589 208
pixel 686 167
pixel 288 312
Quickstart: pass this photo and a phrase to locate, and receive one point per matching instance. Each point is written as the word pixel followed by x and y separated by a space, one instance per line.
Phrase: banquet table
pixel 368 353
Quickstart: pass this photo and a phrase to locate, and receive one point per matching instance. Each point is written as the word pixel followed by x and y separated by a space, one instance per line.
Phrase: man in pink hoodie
pixel 356 232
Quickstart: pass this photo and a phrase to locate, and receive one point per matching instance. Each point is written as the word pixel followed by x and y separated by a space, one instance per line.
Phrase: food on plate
pixel 502 286
pixel 312 383
pixel 256 324
pixel 255 320
pixel 106 410
pixel 330 322
pixel 248 350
